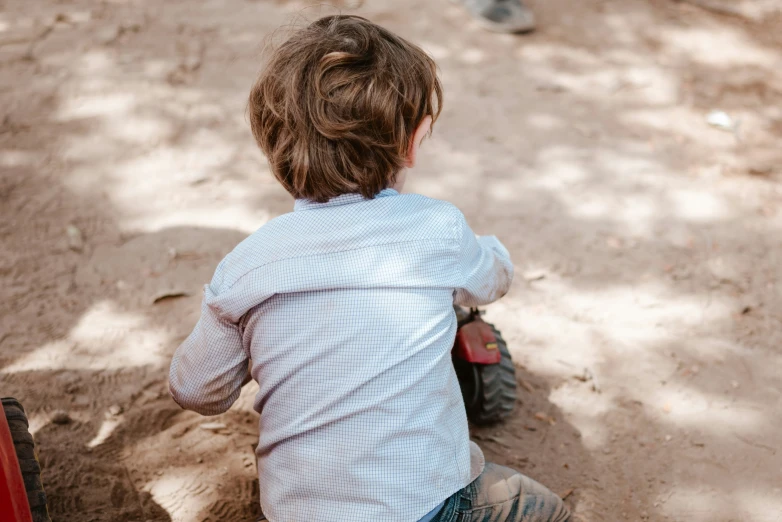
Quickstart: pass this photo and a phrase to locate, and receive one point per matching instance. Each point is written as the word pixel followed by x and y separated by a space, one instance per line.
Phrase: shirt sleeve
pixel 211 365
pixel 486 270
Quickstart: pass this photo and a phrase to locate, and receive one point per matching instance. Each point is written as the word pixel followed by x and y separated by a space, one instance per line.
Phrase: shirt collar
pixel 344 199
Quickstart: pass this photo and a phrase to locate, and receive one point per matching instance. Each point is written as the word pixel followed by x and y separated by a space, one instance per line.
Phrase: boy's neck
pixel 343 199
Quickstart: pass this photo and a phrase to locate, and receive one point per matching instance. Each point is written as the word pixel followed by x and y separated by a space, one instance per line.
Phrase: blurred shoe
pixel 502 16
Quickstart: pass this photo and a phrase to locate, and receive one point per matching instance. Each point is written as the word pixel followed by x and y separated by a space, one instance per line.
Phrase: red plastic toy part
pixel 476 343
pixel 13 496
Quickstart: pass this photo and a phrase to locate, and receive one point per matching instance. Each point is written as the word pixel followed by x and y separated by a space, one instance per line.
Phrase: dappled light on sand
pixel 86 346
pixel 627 153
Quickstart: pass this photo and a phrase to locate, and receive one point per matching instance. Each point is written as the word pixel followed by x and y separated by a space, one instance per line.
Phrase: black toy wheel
pixel 489 390
pixel 28 461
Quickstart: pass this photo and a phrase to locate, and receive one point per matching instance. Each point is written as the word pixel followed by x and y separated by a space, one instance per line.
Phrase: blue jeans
pixel 501 494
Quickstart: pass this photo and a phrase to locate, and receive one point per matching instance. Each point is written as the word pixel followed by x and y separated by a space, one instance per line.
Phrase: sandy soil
pixel 647 310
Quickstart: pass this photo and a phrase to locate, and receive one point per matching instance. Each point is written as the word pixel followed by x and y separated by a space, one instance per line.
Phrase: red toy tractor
pixel 21 495
pixel 484 367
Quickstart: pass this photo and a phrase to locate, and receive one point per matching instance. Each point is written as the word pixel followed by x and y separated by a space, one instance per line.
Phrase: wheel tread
pixel 499 389
pixel 30 468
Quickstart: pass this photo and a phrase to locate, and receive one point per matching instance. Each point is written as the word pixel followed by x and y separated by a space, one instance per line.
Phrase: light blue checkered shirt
pixel 345 309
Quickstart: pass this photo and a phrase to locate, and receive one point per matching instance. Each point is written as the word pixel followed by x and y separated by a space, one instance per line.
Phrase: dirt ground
pixel 646 312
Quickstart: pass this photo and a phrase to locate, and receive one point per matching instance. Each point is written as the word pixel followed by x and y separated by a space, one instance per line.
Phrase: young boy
pixel 345 306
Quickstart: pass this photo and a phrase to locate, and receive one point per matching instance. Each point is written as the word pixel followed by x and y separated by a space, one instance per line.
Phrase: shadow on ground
pixel 646 244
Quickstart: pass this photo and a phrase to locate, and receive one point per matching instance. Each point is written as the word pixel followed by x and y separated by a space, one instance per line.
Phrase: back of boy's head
pixel 336 107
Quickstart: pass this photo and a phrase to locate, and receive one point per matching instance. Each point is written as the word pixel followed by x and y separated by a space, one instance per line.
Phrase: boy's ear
pixel 415 142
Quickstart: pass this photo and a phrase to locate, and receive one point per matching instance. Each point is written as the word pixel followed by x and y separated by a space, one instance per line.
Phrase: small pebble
pixel 82 400
pixel 199 460
pixel 75 238
pixel 133 26
pixel 61 417
pixel 192 62
pixel 108 35
pixel 115 409
pixel 668 438
pixel 213 426
pixel 721 120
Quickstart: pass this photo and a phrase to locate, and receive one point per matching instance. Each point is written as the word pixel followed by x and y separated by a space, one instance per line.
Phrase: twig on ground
pixel 755 444
pixel 718 8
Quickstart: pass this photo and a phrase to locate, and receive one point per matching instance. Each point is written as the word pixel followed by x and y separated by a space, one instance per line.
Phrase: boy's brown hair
pixel 336 107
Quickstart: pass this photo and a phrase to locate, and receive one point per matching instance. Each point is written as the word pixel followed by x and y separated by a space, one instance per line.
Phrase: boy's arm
pixel 486 269
pixel 210 366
